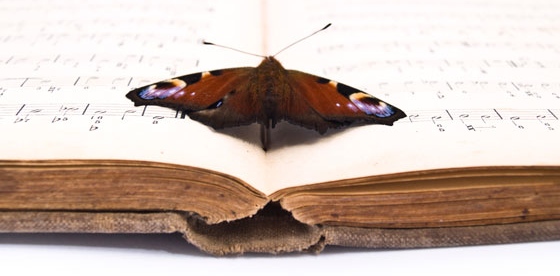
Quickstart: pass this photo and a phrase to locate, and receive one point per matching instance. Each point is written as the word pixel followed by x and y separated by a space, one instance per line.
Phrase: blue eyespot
pixel 162 90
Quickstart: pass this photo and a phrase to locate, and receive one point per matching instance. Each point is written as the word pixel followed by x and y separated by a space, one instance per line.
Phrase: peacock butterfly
pixel 266 94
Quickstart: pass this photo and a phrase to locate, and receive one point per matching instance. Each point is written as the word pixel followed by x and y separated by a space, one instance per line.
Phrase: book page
pixel 478 82
pixel 66 67
pixel 477 79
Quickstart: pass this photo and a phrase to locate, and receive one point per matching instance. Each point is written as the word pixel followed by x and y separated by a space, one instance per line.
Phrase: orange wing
pixel 206 96
pixel 339 104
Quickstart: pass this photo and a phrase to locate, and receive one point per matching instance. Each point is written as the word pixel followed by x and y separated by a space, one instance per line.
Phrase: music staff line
pixel 128 63
pixel 64 112
pixel 482 66
pixel 95 62
pixel 476 119
pixel 85 82
pixel 55 113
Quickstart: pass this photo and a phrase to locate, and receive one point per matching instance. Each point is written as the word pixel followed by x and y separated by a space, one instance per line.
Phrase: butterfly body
pixel 266 94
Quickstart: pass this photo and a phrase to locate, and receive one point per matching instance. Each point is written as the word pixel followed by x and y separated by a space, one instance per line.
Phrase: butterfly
pixel 266 94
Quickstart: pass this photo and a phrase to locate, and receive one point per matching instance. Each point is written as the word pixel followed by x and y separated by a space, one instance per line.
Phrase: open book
pixel 476 161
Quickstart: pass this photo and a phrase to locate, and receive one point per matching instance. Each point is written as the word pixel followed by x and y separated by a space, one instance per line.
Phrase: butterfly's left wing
pixel 337 103
pixel 205 97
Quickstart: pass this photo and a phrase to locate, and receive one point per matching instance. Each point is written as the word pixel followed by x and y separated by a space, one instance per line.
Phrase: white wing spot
pixel 178 94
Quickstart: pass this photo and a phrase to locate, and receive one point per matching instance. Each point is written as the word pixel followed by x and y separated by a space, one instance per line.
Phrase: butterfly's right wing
pixel 336 104
pixel 219 98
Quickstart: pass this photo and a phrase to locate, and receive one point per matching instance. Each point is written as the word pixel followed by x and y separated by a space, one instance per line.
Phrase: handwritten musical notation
pixel 428 89
pixel 443 89
pixel 53 84
pixel 457 74
pixel 442 114
pixel 95 63
pixel 462 66
pixel 93 116
pixel 487 119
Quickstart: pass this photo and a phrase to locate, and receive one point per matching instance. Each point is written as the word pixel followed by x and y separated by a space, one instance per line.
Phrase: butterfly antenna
pixel 237 50
pixel 299 40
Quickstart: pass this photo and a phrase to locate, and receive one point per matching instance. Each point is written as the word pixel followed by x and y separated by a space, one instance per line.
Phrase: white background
pixel 85 254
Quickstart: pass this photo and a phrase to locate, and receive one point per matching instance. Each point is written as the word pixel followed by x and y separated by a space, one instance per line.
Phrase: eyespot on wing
pixel 371 105
pixel 162 90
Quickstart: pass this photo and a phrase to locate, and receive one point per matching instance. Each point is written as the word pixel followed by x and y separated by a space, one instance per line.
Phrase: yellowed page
pixel 67 65
pixel 477 79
